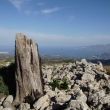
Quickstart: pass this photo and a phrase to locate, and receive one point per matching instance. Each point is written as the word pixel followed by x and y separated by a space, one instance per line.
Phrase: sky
pixel 56 22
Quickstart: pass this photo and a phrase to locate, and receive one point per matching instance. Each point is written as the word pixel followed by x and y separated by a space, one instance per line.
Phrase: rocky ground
pixel 70 86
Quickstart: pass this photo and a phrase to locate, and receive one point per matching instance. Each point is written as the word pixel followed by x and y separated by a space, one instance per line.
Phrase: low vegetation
pixel 60 84
pixel 5 62
pixel 3 88
pixel 6 76
pixel 107 67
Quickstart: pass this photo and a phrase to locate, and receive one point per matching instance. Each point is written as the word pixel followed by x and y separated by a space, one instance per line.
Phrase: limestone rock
pixel 51 93
pixel 24 106
pixel 88 77
pixel 42 103
pixel 100 66
pixel 8 102
pixel 95 98
pixel 84 62
pixel 77 105
pixel 88 87
pixel 6 109
pixel 1 107
pixel 62 98
pixel 9 99
pixel 2 100
pixel 9 108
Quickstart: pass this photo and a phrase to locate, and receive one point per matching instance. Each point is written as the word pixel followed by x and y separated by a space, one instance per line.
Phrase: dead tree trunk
pixel 28 70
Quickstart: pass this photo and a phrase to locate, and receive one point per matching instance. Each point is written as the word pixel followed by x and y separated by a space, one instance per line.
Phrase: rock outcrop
pixel 80 85
pixel 69 86
pixel 28 70
pixel 77 86
pixel 6 103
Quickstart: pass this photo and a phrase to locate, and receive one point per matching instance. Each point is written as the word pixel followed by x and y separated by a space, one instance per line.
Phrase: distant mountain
pixel 99 51
pixel 4 56
pixel 89 52
pixel 7 49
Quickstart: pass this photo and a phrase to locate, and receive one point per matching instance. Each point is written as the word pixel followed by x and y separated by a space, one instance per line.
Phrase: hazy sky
pixel 56 22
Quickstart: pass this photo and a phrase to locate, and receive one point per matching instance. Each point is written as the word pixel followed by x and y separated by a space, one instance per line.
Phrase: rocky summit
pixel 69 86
pixel 76 86
pixel 80 85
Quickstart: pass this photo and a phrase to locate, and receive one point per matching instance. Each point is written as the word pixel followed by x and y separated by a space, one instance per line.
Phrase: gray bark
pixel 28 70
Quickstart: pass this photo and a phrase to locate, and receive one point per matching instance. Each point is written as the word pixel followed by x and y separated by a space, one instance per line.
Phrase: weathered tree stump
pixel 28 70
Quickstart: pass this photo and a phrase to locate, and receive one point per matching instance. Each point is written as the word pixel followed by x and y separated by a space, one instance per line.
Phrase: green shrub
pixel 64 84
pixel 8 83
pixel 3 88
pixel 60 84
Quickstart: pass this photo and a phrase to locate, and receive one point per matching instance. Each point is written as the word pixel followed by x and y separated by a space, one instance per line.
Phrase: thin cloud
pixel 17 3
pixel 50 10
pixel 54 40
pixel 40 3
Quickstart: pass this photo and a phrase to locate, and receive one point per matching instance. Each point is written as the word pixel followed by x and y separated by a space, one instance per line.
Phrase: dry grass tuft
pixel 107 67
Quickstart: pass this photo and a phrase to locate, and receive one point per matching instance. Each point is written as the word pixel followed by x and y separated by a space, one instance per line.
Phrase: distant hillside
pixel 7 49
pixel 89 52
pixel 4 56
